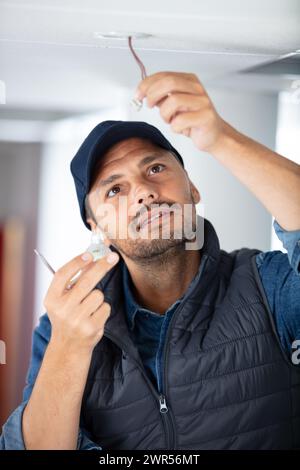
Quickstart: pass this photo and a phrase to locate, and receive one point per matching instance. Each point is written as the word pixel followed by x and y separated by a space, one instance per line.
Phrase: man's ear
pixel 92 224
pixel 195 193
pixel 95 228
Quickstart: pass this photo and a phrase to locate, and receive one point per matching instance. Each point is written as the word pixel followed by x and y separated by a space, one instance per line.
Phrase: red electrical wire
pixel 137 59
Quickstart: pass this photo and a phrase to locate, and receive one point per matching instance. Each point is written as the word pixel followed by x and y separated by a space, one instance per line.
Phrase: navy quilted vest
pixel 227 383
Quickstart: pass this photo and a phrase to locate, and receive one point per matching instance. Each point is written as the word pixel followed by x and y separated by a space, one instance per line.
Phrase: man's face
pixel 140 197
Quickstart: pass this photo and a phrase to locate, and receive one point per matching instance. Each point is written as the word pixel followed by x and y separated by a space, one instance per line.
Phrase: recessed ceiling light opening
pixel 120 35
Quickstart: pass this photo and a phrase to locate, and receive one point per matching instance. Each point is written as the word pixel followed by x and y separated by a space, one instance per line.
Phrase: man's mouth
pixel 151 216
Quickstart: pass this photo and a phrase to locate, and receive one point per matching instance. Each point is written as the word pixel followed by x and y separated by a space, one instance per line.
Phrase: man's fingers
pixel 67 271
pixel 101 315
pixel 144 84
pixel 179 102
pixel 87 282
pixel 188 120
pixel 92 302
pixel 157 86
pixel 165 86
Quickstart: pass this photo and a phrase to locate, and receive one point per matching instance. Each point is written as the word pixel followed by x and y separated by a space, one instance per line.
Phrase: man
pixel 158 346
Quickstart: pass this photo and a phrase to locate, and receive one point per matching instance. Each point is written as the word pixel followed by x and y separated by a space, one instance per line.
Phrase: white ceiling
pixel 51 60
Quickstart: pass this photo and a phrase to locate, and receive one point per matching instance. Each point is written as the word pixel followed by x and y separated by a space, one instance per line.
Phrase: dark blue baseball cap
pixel 100 139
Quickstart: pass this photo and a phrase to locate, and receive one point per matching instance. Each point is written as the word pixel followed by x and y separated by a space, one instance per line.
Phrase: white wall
pixel 239 218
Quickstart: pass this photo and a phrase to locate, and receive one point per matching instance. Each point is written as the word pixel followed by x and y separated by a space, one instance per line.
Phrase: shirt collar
pixel 132 307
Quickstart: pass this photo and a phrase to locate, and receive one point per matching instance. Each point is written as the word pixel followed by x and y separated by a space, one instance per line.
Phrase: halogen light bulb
pixel 97 246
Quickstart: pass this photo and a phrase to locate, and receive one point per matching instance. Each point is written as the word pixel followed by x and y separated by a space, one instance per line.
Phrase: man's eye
pixel 113 191
pixel 157 168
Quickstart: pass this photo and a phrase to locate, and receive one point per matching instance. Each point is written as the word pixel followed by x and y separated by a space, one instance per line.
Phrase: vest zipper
pixel 168 423
pixel 163 404
pixel 165 412
pixel 166 417
pixel 171 422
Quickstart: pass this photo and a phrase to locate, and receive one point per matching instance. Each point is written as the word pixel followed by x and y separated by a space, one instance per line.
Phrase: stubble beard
pixel 159 249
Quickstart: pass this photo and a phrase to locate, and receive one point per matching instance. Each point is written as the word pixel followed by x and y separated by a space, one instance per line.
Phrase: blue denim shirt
pixel 280 275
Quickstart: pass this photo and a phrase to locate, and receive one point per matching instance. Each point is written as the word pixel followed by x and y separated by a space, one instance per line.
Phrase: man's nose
pixel 144 195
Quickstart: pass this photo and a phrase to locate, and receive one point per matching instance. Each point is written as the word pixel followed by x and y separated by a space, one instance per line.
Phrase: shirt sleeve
pixel 281 283
pixel 291 242
pixel 12 436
